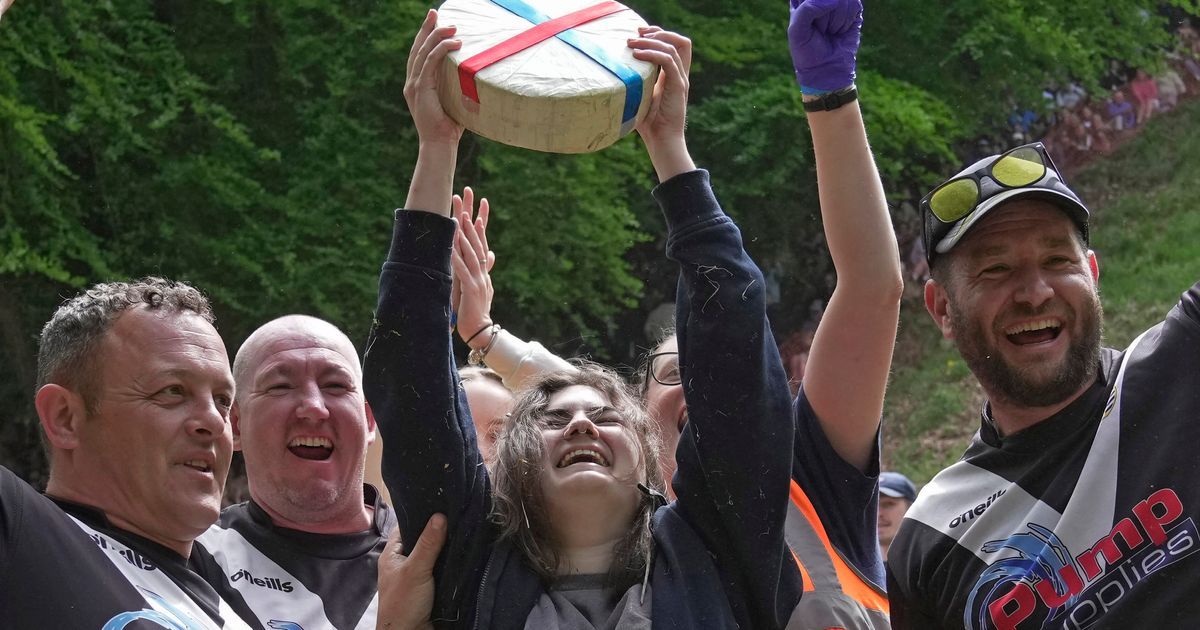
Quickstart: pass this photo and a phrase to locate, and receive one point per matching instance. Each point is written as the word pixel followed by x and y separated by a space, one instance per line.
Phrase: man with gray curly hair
pixel 134 392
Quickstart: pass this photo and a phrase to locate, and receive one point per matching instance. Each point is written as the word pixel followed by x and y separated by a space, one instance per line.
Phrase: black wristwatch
pixel 832 100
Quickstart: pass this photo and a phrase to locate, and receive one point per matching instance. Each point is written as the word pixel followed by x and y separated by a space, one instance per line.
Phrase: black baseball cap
pixel 941 236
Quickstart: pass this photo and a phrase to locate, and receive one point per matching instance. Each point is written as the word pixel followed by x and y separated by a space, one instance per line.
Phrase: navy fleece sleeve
pixel 430 459
pixel 735 455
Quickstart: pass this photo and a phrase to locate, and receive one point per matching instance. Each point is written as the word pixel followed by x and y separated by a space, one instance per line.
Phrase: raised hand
pixel 433 176
pixel 662 129
pixel 472 261
pixel 823 36
pixel 425 70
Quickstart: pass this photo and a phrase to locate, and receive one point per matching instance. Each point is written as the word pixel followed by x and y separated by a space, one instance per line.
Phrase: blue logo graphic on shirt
pixel 1041 556
pixel 275 624
pixel 168 617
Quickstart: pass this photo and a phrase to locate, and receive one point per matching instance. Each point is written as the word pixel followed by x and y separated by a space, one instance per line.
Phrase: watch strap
pixel 831 100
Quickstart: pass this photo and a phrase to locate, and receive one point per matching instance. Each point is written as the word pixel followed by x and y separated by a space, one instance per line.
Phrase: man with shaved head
pixel 302 552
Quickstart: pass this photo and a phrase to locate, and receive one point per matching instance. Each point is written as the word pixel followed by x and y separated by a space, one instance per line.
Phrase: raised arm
pixel 430 459
pixel 851 352
pixel 734 456
pixel 516 361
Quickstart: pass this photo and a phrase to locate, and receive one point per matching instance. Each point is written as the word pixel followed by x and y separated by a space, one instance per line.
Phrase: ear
pixel 61 412
pixel 370 422
pixel 937 302
pixel 1094 265
pixel 234 423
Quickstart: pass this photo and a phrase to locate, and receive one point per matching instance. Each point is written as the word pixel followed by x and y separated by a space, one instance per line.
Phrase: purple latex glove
pixel 823 36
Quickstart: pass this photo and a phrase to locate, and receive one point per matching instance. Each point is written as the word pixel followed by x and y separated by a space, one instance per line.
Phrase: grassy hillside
pixel 1145 202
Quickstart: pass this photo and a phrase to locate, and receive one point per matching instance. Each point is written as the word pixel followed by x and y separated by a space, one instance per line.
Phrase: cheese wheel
pixel 575 91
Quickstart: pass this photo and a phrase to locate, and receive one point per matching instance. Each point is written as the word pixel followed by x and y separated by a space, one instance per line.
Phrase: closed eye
pixel 606 417
pixel 557 419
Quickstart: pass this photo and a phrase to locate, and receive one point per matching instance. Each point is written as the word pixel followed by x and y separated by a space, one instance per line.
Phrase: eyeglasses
pixel 663 367
pixel 1019 167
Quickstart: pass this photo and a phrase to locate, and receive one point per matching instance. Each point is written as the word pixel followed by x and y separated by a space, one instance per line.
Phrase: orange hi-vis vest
pixel 836 596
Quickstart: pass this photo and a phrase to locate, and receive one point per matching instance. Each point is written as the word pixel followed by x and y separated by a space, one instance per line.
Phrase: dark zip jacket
pixel 720 560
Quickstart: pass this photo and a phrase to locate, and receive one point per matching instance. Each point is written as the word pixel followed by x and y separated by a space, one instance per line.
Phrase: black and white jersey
pixel 285 579
pixel 1085 520
pixel 63 565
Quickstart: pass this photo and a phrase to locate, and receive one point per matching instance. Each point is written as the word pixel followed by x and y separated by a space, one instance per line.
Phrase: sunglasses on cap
pixel 1026 172
pixel 1018 167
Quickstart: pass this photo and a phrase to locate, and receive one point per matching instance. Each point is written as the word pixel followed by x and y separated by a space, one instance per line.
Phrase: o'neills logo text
pixel 272 583
pixel 1045 585
pixel 978 510
pixel 130 556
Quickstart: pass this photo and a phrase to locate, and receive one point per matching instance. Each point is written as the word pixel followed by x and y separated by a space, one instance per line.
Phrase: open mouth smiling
pixel 582 456
pixel 311 448
pixel 198 464
pixel 1033 332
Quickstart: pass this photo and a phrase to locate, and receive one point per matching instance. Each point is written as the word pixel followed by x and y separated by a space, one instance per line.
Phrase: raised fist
pixel 823 36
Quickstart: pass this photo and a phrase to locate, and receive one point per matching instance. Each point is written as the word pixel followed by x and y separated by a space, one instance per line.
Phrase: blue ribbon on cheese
pixel 627 75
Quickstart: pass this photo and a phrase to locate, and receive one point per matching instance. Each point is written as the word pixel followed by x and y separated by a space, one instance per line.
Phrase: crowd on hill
pixel 1077 126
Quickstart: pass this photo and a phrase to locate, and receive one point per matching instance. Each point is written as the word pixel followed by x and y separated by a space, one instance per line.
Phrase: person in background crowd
pixel 134 392
pixel 1170 88
pixel 1079 446
pixel 896 495
pixel 1094 125
pixel 1145 92
pixel 1070 96
pixel 1121 114
pixel 490 401
pixel 303 549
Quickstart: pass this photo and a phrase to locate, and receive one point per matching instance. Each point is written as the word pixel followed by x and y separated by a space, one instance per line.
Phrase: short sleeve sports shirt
pixel 1085 520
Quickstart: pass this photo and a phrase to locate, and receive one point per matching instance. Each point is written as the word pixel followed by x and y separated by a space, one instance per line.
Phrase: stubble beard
pixel 315 502
pixel 1026 387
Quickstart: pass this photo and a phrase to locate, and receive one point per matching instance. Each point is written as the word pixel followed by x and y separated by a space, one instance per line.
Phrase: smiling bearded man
pixel 304 549
pixel 1079 445
pixel 1039 384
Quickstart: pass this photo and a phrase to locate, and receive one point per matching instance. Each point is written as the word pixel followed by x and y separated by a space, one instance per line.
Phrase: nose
pixel 581 424
pixel 209 419
pixel 311 405
pixel 1033 288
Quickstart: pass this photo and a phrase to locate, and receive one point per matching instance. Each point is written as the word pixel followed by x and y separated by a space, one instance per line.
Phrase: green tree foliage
pixel 257 148
pixel 986 58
